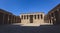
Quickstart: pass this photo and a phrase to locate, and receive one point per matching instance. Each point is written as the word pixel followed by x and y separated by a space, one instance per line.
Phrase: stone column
pixel 40 16
pixel 17 20
pixel 49 18
pixel 14 19
pixel 36 16
pixel 3 18
pixel 8 19
pixel 11 19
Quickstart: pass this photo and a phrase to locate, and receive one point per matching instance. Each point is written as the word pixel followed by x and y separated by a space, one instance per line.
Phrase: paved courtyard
pixel 29 29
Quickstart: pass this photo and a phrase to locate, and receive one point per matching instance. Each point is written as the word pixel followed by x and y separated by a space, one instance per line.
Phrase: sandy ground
pixel 29 29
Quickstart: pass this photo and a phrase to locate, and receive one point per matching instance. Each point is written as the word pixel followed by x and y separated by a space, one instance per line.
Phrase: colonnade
pixel 8 18
pixel 34 16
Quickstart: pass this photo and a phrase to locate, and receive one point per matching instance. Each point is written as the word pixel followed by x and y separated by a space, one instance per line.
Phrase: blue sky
pixel 26 6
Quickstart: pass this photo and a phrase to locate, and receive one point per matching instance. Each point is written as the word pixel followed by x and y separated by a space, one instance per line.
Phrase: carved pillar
pixel 3 18
pixel 11 19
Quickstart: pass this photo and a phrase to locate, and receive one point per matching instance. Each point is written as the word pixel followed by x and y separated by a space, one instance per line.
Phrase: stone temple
pixel 32 19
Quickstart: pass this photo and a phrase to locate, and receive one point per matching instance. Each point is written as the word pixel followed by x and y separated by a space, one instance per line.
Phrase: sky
pixel 28 6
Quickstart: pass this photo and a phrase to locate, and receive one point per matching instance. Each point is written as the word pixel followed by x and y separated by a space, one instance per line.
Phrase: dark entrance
pixel 1 18
pixel 31 18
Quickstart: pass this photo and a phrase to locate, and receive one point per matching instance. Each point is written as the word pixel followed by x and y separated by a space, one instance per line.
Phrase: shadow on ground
pixel 20 29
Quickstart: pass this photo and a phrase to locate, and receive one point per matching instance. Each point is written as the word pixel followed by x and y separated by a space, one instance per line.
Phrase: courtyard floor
pixel 29 29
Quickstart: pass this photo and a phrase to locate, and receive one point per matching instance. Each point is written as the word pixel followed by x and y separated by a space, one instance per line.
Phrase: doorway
pixel 31 18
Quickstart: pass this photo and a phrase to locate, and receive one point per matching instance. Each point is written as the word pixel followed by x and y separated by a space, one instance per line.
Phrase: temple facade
pixel 32 19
